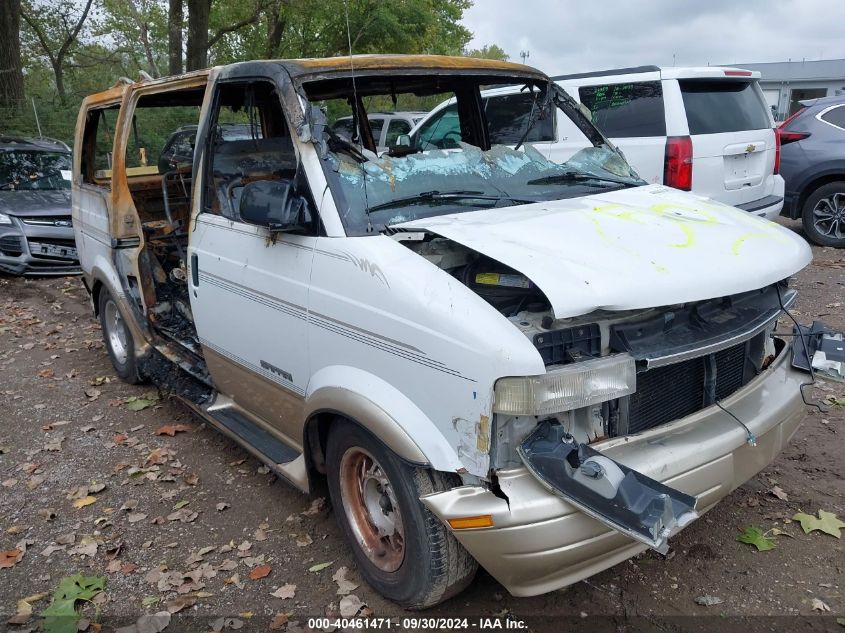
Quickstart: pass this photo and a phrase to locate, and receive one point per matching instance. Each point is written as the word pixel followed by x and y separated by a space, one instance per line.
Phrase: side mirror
pixel 276 205
pixel 403 140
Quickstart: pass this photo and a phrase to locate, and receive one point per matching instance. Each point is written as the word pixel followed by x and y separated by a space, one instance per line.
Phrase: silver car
pixel 36 230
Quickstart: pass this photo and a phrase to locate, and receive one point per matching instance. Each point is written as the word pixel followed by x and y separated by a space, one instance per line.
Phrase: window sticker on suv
pixel 626 110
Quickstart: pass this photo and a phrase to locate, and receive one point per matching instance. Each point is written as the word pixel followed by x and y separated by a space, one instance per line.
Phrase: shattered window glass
pixel 468 154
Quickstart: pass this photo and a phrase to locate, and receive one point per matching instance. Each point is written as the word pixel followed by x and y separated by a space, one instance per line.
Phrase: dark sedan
pixel 812 162
pixel 36 230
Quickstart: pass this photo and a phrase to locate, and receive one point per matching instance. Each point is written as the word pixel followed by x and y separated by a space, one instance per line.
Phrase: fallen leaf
pixel 321 566
pixel 135 403
pixel 46 373
pixel 85 501
pixel 304 540
pixel 61 616
pixel 279 621
pixel 10 558
pixel 708 601
pixel 24 608
pixel 259 535
pixel 350 606
pixel 180 504
pixel 315 508
pixel 148 623
pixel 260 572
pixel 284 592
pixel 222 506
pixel 755 536
pixel 173 429
pixel 779 493
pixel 818 605
pixel 92 394
pixel 177 604
pixel 344 585
pixel 827 522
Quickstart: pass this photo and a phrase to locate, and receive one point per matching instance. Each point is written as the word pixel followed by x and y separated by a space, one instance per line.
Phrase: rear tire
pixel 118 339
pixel 403 551
pixel 823 215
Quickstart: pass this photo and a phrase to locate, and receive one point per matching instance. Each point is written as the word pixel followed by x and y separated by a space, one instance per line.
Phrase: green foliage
pixel 826 522
pixel 61 616
pixel 124 37
pixel 493 51
pixel 756 537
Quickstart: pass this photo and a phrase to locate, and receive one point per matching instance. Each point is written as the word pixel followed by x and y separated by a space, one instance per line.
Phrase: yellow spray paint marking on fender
pixel 742 239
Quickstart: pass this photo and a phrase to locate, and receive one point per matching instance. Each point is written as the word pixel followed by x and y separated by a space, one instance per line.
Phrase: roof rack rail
pixel 611 71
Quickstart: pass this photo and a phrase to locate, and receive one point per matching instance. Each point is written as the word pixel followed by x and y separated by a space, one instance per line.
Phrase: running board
pixel 249 433
pixel 281 458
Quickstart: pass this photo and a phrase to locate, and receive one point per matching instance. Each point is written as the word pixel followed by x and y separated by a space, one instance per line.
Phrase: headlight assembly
pixel 570 387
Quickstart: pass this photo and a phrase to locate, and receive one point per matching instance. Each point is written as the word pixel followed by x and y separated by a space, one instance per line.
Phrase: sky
pixel 578 36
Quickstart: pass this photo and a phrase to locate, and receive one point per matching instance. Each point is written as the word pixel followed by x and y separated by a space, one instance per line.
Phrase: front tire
pixel 403 551
pixel 823 215
pixel 118 339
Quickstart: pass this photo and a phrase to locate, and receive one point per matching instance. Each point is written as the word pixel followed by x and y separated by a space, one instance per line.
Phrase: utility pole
pixel 525 55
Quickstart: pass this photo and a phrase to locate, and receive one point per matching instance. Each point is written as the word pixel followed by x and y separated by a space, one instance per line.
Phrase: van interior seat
pixel 237 162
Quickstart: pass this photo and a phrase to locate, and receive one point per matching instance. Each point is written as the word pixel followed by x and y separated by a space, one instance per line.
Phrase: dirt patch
pixel 194 501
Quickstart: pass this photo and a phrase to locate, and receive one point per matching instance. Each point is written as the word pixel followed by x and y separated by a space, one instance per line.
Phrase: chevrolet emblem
pixel 750 148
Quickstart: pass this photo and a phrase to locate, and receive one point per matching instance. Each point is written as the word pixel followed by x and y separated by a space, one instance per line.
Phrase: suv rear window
pixel 626 110
pixel 723 106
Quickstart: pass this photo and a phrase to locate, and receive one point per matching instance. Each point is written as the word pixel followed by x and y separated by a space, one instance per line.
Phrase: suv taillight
pixel 677 164
pixel 785 138
pixel 777 152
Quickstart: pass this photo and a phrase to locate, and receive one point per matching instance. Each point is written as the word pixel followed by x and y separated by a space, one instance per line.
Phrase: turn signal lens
pixel 462 523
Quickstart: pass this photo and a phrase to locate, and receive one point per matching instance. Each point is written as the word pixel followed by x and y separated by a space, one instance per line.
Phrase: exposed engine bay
pixel 688 356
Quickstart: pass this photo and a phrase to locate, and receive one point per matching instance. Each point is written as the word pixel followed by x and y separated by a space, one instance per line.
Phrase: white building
pixel 787 83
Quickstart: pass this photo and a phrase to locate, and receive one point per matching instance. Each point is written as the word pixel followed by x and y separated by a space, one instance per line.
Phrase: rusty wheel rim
pixel 371 509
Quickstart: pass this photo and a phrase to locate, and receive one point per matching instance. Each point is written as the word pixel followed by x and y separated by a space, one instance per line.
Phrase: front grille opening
pixel 668 393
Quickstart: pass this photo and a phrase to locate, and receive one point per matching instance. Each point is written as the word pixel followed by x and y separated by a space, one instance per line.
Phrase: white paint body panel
pixel 629 249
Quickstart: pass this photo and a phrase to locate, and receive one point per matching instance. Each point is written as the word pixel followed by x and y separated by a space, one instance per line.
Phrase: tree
pixel 198 15
pixel 56 28
pixel 491 51
pixel 11 77
pixel 175 18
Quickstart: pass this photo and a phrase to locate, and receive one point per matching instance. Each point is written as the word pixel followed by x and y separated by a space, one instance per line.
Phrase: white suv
pixel 706 130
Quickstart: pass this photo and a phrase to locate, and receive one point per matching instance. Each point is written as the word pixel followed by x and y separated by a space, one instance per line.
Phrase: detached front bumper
pixel 540 542
pixel 34 249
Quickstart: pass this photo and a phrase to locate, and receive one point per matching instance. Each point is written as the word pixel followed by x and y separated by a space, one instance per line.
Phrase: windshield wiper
pixel 429 196
pixel 579 177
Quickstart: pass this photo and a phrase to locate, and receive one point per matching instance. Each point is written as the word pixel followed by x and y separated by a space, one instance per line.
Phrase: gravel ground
pixel 190 524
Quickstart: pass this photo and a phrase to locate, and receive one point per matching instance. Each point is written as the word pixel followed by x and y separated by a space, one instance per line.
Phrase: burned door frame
pixel 249 294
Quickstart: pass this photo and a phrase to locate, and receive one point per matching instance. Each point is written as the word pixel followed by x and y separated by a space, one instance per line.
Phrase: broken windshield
pixel 457 158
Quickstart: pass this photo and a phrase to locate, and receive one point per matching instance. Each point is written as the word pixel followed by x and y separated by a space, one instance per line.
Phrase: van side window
pixel 508 116
pixel 98 145
pixel 250 142
pixel 626 110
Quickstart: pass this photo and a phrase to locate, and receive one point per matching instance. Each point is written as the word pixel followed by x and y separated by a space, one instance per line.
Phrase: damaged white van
pixel 538 366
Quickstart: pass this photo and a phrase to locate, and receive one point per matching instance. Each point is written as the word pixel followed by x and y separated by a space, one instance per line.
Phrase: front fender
pixel 383 410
